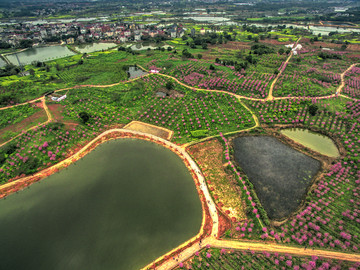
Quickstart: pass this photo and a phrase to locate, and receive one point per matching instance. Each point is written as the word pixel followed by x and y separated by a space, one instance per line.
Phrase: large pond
pixel 279 173
pixel 120 207
pixel 88 48
pixel 40 54
pixel 315 141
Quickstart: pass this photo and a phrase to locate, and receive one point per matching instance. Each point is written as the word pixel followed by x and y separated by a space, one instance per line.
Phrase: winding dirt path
pixel 272 247
pixel 270 95
pixel 74 87
pixel 200 179
pixel 256 120
pixel 211 240
pixel 50 118
pixel 342 76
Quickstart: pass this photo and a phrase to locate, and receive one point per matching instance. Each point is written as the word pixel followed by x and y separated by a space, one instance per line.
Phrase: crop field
pixel 352 83
pixel 15 115
pixel 211 88
pixel 229 259
pixel 308 74
pixel 330 216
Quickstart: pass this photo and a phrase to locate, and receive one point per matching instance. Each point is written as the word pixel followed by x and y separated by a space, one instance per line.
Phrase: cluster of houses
pixel 68 33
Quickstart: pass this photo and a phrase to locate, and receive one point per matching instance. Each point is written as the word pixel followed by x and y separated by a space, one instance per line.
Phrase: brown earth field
pixel 232 45
pixel 222 185
pixel 274 42
pixel 151 129
pixel 56 110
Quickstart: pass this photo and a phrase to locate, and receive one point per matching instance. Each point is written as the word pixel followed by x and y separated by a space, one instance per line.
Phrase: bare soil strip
pixel 150 129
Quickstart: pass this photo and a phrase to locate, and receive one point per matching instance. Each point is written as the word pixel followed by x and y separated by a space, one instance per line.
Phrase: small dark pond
pixel 161 94
pixel 134 72
pixel 279 173
pixel 120 207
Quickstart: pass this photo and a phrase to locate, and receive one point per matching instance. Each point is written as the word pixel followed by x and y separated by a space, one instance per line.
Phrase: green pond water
pixel 39 54
pixel 315 141
pixel 88 48
pixel 2 63
pixel 120 207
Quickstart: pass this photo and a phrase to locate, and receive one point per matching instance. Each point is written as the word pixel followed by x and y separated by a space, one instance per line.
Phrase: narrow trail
pixel 256 120
pixel 48 114
pixel 74 87
pixel 194 246
pixel 272 247
pixel 268 98
pixel 21 104
pixel 342 76
pixel 210 240
pixel 270 95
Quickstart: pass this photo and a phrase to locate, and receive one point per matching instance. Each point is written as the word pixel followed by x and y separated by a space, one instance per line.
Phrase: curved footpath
pixel 48 114
pixel 270 96
pixel 192 244
pixel 187 249
pixel 272 247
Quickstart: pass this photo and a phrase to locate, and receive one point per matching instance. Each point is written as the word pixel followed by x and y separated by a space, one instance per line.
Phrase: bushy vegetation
pixel 212 258
pixel 15 115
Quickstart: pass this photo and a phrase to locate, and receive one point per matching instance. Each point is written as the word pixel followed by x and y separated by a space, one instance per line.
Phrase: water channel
pixel 279 173
pixel 315 141
pixel 120 207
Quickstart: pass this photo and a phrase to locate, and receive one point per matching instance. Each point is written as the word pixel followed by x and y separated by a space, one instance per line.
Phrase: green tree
pixel 169 85
pixel 313 109
pixel 26 43
pixel 84 116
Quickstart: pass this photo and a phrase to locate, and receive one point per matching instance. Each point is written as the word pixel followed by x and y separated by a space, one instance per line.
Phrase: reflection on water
pixel 88 48
pixel 120 207
pixel 40 54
